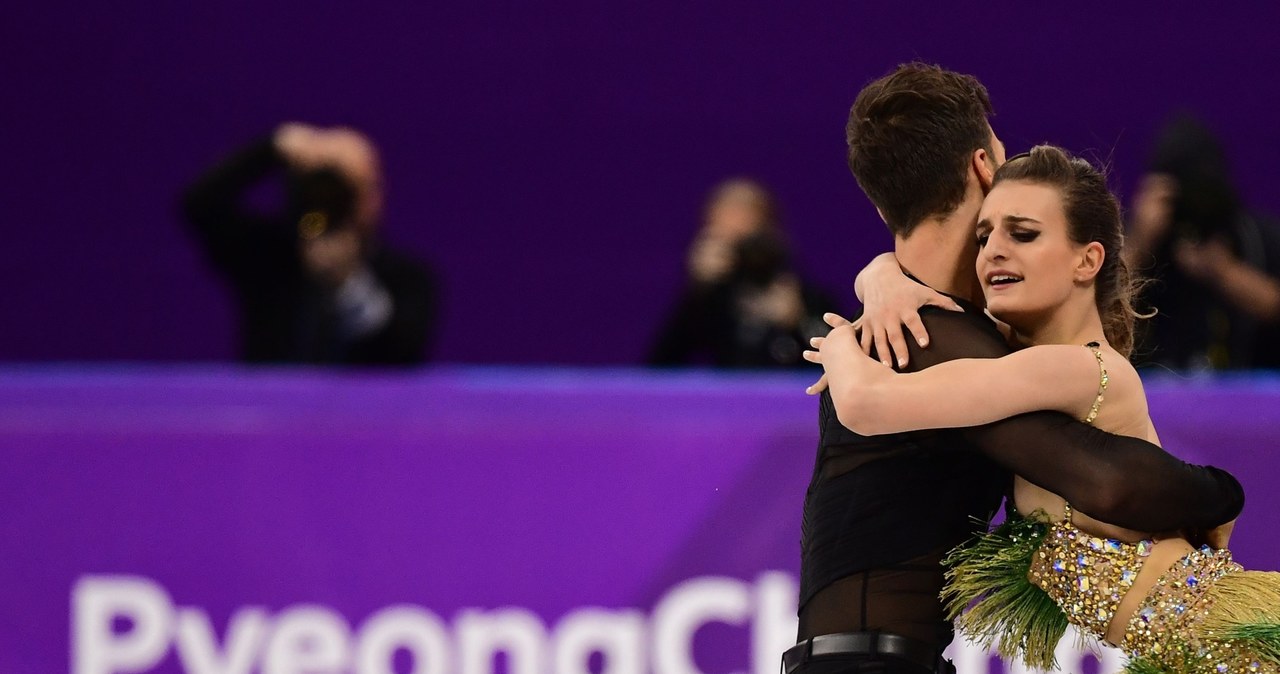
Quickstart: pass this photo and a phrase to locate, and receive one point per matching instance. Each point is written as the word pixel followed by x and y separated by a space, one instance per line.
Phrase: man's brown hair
pixel 911 134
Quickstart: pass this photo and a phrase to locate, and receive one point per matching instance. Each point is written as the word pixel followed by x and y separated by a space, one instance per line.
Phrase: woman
pixel 1049 262
pixel 743 305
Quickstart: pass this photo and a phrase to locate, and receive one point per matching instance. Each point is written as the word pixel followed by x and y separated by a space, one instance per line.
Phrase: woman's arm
pixel 1125 481
pixel 872 399
pixel 891 301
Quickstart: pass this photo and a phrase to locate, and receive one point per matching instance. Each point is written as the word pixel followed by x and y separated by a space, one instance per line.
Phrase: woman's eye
pixel 982 239
pixel 1025 237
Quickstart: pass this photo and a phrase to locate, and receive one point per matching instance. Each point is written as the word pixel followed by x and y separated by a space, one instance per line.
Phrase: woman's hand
pixel 840 351
pixel 891 300
pixel 835 321
pixel 858 380
pixel 1219 536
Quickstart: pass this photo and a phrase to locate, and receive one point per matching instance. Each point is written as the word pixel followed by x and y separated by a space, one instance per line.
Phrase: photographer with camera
pixel 313 282
pixel 743 306
pixel 1215 264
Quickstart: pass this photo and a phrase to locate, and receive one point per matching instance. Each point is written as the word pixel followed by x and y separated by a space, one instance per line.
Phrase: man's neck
pixel 941 252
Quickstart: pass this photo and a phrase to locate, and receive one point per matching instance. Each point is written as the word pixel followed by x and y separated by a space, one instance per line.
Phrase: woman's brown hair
pixel 1093 214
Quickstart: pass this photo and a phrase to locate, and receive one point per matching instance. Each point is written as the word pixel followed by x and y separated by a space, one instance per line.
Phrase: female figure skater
pixel 1049 236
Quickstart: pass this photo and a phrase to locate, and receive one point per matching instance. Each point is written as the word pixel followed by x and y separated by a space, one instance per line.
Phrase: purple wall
pixel 549 159
pixel 263 504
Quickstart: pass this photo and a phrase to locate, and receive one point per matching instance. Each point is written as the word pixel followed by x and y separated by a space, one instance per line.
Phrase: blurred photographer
pixel 1215 265
pixel 743 305
pixel 313 281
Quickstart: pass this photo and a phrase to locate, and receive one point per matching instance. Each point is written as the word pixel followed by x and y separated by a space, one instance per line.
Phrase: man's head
pixel 916 136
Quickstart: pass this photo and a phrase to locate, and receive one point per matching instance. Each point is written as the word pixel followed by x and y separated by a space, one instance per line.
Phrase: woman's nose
pixel 996 247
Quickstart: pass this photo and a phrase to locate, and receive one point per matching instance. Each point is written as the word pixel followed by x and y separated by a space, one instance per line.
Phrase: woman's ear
pixel 983 168
pixel 1091 258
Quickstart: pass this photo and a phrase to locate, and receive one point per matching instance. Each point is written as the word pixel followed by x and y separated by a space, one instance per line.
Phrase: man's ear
pixel 1091 258
pixel 983 168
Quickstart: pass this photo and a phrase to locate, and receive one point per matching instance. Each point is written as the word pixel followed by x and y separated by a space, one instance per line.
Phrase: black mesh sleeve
pixel 1124 481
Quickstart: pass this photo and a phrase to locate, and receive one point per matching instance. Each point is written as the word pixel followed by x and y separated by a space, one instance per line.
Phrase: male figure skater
pixel 880 512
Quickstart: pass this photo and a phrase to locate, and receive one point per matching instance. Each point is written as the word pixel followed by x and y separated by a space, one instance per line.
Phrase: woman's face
pixel 736 213
pixel 1026 261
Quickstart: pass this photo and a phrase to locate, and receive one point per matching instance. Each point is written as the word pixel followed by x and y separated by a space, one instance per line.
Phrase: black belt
pixel 865 643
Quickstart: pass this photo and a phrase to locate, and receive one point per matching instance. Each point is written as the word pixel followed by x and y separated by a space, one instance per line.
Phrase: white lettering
pixel 687 607
pixel 513 631
pixel 775 625
pixel 618 636
pixel 417 631
pixel 197 646
pixel 97 602
pixel 124 624
pixel 310 639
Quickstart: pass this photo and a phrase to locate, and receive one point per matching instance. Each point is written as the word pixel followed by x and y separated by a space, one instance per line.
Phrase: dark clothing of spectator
pixel 708 326
pixel 1195 327
pixel 382 315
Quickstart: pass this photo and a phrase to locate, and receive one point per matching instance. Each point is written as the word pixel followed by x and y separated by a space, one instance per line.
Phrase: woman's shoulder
pixel 1123 399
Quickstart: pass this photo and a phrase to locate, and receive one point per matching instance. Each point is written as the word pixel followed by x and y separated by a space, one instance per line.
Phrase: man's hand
pixel 345 150
pixel 891 300
pixel 299 145
pixel 710 258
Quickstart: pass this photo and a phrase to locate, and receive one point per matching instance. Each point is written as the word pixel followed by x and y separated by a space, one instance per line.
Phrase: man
pixel 314 283
pixel 880 512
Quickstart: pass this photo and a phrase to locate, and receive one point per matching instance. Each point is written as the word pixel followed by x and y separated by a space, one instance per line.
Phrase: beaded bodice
pixel 1172 612
pixel 1086 575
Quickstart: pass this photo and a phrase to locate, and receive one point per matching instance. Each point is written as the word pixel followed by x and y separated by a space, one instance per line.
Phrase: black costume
pixel 880 512
pixel 286 316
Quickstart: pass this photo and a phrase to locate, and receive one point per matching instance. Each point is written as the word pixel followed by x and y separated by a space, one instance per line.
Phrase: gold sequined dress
pixel 1016 587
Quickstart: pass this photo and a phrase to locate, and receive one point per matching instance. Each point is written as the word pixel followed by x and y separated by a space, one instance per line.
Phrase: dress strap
pixel 1102 381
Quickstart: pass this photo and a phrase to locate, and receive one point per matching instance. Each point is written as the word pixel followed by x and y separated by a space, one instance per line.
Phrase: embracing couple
pixel 923 437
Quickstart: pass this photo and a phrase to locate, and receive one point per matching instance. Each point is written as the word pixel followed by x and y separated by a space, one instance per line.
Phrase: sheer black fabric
pixel 899 598
pixel 1124 481
pixel 881 510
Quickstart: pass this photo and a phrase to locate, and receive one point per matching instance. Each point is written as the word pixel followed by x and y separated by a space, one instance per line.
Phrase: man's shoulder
pixel 971 320
pixel 955 334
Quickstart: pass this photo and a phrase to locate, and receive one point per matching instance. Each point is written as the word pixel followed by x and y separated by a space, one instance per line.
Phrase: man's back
pixel 880 513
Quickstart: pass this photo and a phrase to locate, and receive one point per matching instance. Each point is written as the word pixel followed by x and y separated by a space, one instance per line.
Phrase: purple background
pixel 549 490
pixel 549 159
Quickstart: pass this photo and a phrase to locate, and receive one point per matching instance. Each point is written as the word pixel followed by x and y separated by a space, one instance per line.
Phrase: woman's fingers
pixel 835 320
pixel 865 340
pixel 818 386
pixel 882 347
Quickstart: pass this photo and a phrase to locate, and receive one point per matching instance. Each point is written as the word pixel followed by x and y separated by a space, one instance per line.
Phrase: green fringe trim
pixel 1244 617
pixel 994 603
pixel 1262 640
